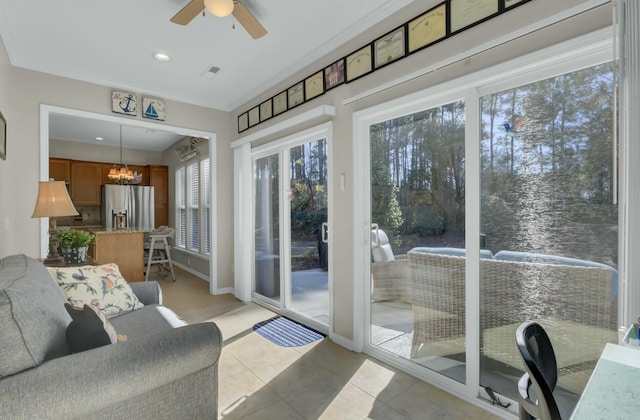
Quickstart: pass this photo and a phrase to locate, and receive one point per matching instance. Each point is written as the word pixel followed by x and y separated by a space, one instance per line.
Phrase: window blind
pixel 181 215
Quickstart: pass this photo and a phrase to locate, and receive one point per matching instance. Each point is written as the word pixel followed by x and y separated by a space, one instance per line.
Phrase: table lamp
pixel 53 201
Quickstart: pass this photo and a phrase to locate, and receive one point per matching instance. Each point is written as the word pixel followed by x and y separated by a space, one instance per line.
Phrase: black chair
pixel 542 373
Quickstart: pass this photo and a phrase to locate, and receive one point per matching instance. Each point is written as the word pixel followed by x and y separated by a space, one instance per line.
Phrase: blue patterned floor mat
pixel 286 333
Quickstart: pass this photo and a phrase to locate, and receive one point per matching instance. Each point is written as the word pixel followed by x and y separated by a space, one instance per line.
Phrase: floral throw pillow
pixel 99 285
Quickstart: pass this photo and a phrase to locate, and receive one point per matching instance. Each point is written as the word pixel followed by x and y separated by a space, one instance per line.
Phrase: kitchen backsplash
pixel 89 216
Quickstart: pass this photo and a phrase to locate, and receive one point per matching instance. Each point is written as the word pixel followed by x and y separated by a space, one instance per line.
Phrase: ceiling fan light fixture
pixel 160 56
pixel 219 8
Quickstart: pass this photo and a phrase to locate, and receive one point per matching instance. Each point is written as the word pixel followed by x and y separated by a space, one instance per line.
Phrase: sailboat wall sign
pixel 153 109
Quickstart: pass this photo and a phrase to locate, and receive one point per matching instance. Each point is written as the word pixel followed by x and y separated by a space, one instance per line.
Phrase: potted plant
pixel 73 245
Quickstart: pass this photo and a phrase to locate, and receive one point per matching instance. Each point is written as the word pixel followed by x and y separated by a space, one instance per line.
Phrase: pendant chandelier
pixel 123 175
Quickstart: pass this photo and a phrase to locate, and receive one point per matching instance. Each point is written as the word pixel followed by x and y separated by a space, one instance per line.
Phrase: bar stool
pixel 158 251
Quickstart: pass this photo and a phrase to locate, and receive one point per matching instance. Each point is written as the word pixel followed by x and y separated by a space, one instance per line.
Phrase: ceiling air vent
pixel 210 72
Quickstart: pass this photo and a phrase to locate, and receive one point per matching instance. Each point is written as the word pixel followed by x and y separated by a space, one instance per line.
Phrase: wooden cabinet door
pixel 86 179
pixel 159 179
pixel 144 170
pixel 104 173
pixel 60 169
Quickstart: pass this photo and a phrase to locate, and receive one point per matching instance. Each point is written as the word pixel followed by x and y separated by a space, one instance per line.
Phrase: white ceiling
pixel 111 43
pixel 84 130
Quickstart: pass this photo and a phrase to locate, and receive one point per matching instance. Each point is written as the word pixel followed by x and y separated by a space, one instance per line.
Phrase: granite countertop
pixel 101 230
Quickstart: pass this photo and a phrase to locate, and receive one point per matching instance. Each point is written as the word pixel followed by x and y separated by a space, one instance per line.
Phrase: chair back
pixel 380 247
pixel 169 232
pixel 158 235
pixel 541 373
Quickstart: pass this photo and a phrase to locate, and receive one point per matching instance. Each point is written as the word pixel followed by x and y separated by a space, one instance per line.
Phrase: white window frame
pixel 188 205
pixel 205 205
pixel 589 50
pixel 180 199
pixel 281 148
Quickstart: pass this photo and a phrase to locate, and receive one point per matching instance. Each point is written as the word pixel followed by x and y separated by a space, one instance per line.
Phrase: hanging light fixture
pixel 219 8
pixel 124 175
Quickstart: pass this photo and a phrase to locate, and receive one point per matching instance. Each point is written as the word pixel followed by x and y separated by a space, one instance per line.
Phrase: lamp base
pixel 53 257
pixel 52 260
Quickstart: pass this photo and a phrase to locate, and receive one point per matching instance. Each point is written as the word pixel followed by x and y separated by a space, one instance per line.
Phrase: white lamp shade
pixel 53 200
pixel 220 8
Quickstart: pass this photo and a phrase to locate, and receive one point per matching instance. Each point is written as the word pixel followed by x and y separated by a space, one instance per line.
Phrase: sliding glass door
pixel 548 215
pixel 417 203
pixel 309 231
pixel 267 227
pixel 492 201
pixel 291 242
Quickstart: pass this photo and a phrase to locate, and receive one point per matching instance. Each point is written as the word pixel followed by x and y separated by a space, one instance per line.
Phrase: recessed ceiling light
pixel 150 131
pixel 99 138
pixel 160 56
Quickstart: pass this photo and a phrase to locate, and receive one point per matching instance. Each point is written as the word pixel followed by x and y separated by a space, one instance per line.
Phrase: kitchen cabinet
pixel 86 179
pixel 85 183
pixel 159 179
pixel 60 169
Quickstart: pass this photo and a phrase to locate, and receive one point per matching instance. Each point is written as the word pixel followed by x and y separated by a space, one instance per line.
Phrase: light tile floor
pixel 322 380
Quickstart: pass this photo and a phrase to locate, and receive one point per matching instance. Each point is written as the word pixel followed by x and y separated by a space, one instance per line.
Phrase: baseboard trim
pixel 342 341
pixel 192 271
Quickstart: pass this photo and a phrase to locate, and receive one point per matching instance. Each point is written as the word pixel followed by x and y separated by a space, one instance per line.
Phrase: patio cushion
pixel 380 248
pixel 554 259
pixel 455 252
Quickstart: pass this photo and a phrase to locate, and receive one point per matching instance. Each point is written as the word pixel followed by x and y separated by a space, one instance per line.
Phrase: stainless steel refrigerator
pixel 133 203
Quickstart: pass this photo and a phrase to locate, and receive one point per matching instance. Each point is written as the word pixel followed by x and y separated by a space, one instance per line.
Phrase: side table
pixel 89 261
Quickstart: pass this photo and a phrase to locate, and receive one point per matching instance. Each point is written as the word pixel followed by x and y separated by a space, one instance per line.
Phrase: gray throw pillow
pixel 88 329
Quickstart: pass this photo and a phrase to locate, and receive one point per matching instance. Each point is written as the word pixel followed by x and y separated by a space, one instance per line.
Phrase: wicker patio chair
pixel 438 298
pixel 389 273
pixel 573 303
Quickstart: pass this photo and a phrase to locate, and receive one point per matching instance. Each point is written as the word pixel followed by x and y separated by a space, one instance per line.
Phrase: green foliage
pixel 385 209
pixel 72 238
pixel 424 221
pixel 307 222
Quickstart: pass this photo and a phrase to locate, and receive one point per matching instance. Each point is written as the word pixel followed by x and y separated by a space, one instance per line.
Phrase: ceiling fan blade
pixel 188 12
pixel 248 21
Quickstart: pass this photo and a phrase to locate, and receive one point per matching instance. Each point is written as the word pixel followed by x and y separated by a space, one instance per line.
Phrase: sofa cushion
pixel 151 319
pixel 99 285
pixel 33 320
pixel 88 329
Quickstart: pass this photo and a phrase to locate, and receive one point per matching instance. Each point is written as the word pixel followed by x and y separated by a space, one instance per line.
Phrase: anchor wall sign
pixel 124 103
pixel 153 109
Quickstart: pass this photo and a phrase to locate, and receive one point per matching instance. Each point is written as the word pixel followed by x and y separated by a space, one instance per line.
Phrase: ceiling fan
pixel 221 8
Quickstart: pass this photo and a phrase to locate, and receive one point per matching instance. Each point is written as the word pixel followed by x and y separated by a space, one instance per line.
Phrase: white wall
pixel 21 94
pixel 347 100
pixel 6 183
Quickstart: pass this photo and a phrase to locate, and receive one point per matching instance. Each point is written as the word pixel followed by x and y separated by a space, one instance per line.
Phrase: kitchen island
pixel 125 247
